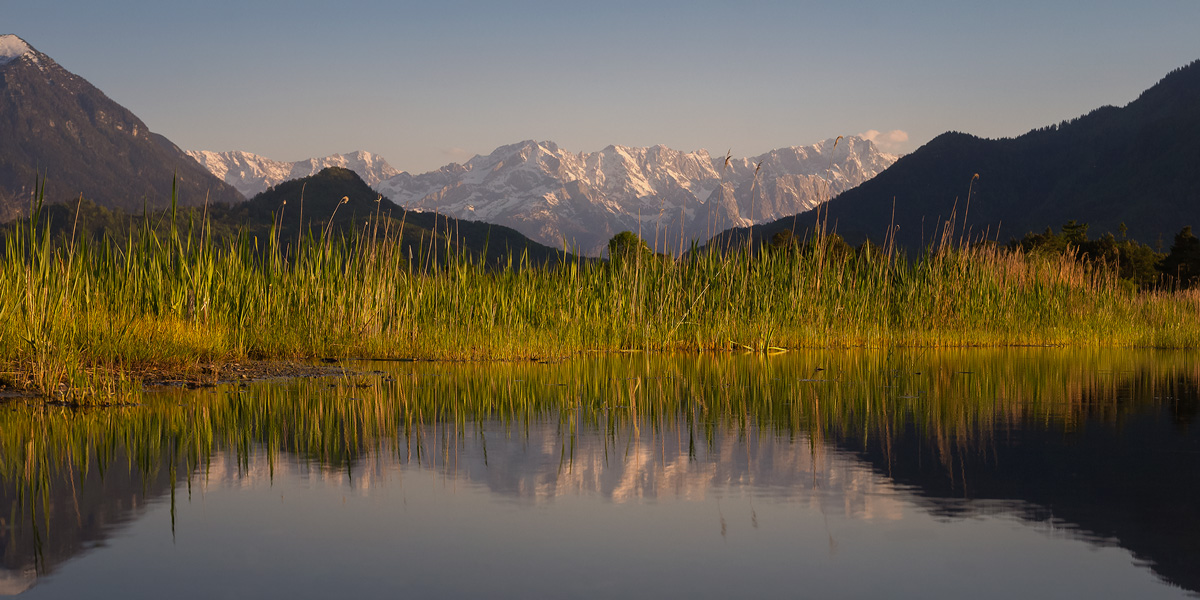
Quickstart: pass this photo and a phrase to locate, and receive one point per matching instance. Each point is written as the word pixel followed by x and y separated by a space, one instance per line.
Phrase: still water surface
pixel 984 474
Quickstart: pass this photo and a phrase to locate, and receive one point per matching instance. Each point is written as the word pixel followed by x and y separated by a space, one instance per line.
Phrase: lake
pixel 1036 473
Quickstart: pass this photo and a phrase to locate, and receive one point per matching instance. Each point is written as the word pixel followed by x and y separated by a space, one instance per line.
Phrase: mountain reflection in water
pixel 1097 446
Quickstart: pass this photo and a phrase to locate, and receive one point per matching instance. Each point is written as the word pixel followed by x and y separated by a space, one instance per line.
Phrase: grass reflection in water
pixel 956 403
pixel 951 397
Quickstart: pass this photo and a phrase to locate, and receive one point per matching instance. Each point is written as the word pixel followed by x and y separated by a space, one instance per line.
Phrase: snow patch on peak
pixel 12 48
pixel 252 174
pixel 551 194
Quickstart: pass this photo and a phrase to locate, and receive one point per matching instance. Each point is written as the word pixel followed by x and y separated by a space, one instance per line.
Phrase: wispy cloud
pixel 891 142
pixel 456 154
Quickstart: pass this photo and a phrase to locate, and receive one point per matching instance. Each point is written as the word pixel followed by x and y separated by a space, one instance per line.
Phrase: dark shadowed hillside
pixel 308 207
pixel 57 125
pixel 1135 165
pixel 314 203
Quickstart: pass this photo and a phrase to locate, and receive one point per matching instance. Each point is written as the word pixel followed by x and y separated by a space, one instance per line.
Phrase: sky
pixel 427 83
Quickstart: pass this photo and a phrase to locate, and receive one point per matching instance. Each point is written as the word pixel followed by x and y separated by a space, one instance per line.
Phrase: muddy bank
pixel 16 385
pixel 246 370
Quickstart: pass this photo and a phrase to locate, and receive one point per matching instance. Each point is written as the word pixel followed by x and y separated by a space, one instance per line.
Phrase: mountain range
pixel 580 200
pixel 252 174
pixel 338 198
pixel 57 126
pixel 583 199
pixel 1130 170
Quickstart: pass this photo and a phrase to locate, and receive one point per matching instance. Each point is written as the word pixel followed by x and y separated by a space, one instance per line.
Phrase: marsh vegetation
pixel 83 316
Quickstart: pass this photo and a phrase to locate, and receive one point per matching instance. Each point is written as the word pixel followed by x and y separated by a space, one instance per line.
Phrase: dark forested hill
pixel 315 203
pixel 1138 165
pixel 335 202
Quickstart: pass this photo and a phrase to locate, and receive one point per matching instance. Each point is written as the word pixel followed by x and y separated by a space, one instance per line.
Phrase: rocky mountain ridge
pixel 252 174
pixel 580 200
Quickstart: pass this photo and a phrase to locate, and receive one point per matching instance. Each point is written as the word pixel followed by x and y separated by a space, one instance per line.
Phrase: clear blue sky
pixel 427 83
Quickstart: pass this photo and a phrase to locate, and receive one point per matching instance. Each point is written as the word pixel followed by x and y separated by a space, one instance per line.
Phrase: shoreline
pixel 151 378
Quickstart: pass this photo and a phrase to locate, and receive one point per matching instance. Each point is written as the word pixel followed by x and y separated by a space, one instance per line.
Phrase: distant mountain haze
pixel 338 197
pixel 56 125
pixel 580 200
pixel 1138 165
pixel 668 196
pixel 253 174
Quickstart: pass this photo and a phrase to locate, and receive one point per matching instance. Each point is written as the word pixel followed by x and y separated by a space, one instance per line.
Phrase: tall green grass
pixel 79 317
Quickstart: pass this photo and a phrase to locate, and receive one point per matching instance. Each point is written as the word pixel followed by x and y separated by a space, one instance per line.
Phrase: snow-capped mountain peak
pixel 581 200
pixel 12 48
pixel 252 174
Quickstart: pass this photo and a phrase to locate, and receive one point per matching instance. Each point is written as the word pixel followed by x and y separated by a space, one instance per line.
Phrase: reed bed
pixel 79 317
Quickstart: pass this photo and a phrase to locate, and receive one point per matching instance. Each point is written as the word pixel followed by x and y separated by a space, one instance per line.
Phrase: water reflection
pixel 1099 446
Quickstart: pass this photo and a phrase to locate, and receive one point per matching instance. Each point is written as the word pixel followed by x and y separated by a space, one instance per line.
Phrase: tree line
pixel 1137 264
pixel 1134 262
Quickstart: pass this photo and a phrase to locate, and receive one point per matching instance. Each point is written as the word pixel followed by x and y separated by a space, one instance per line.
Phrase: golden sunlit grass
pixel 77 314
